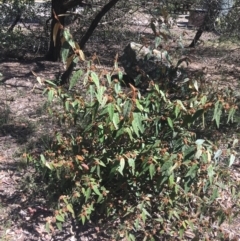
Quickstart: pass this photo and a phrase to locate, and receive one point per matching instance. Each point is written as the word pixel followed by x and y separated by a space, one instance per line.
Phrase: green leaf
pixel 83 218
pixel 120 75
pixel 146 212
pixel 171 180
pixel 189 153
pixel 127 108
pixel 101 135
pixel 181 232
pixel 198 154
pixel 94 109
pixel 50 82
pixel 100 198
pixel 129 132
pixel 75 78
pixel 60 218
pixel 203 100
pixel 95 189
pixel 177 216
pixel 87 194
pixel 131 163
pixel 210 173
pixel 49 165
pixel 104 101
pixel 98 170
pixel 99 93
pixel 43 160
pixel 137 80
pixel 152 170
pixel 59 226
pixel 163 95
pixel 170 123
pixel 101 163
pixel 68 37
pixel 217 112
pixel 111 111
pixel 192 172
pixel 118 133
pixel 95 79
pixel 115 120
pixel 136 224
pixel 135 127
pixel 91 93
pixel 143 216
pixel 117 88
pixel 231 114
pixel 131 237
pixel 51 95
pixel 70 209
pixel 177 110
pixel 137 117
pixel 109 79
pixel 179 102
pixel 67 105
pixel 139 106
pixel 166 166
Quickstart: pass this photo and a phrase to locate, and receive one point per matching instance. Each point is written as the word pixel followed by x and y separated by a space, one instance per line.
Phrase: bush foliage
pixel 136 159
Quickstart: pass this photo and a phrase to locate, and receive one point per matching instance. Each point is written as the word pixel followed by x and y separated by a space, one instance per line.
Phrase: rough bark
pixel 54 50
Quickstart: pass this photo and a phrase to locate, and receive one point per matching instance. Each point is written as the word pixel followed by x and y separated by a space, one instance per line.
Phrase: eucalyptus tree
pixel 59 10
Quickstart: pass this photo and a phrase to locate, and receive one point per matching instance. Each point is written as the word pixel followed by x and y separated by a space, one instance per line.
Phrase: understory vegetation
pixel 137 159
pixel 140 158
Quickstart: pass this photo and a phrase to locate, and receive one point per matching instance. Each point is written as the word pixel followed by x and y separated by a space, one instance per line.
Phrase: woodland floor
pixel 25 126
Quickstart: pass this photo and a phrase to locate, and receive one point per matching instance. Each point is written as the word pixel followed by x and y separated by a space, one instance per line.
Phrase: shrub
pixel 135 160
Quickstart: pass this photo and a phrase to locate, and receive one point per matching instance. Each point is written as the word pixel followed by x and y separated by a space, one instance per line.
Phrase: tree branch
pixel 96 21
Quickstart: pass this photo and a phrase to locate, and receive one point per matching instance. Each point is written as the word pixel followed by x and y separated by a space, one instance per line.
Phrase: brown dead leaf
pixel 80 158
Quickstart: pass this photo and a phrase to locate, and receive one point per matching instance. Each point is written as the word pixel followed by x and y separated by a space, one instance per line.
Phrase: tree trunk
pixel 60 7
pixel 196 38
pixel 212 7
pixel 54 51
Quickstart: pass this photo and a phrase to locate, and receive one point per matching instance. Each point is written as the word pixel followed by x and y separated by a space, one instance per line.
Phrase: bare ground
pixel 25 124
